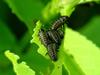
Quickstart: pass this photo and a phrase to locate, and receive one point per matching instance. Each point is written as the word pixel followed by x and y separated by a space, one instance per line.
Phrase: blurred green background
pixel 17 19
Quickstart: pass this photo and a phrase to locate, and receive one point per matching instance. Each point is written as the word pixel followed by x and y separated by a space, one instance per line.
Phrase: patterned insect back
pixel 58 23
pixel 61 33
pixel 44 38
pixel 52 51
pixel 54 36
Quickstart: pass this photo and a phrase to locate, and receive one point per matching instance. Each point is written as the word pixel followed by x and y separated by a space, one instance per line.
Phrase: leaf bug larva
pixel 44 38
pixel 54 36
pixel 52 51
pixel 58 23
pixel 61 33
pixel 51 47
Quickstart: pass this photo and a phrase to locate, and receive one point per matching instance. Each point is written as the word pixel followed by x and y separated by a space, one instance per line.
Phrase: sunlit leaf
pixel 83 51
pixel 19 68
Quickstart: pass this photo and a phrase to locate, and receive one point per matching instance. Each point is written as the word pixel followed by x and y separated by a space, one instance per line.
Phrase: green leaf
pixel 7 39
pixel 26 10
pixel 65 7
pixel 92 29
pixel 83 51
pixel 19 68
pixel 77 54
pixel 58 64
pixel 42 49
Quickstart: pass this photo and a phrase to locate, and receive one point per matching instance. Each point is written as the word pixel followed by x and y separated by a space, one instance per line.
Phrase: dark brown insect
pixel 52 51
pixel 58 23
pixel 51 47
pixel 54 36
pixel 61 33
pixel 44 38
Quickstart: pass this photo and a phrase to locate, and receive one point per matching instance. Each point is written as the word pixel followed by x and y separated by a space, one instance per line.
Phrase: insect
pixel 61 33
pixel 52 51
pixel 54 36
pixel 44 38
pixel 58 23
pixel 51 47
pixel 51 38
pixel 55 33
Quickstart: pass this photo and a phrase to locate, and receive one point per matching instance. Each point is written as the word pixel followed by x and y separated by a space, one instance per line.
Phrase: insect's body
pixel 54 36
pixel 61 33
pixel 51 47
pixel 58 23
pixel 52 51
pixel 44 38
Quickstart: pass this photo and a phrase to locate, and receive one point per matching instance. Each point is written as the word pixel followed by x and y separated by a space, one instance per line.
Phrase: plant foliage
pixel 78 54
